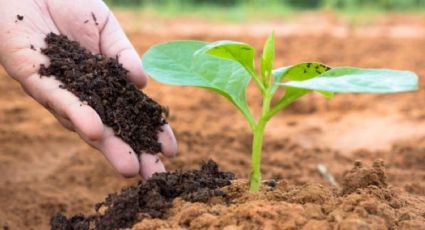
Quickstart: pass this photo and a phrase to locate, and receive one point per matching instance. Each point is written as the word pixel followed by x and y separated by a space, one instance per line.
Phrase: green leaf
pixel 267 59
pixel 174 63
pixel 327 94
pixel 359 80
pixel 300 72
pixel 231 50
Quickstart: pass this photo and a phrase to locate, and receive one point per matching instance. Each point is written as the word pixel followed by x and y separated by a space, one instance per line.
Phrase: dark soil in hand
pixel 102 83
pixel 150 198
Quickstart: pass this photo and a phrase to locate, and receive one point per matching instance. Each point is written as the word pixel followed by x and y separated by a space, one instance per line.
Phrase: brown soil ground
pixel 364 203
pixel 45 169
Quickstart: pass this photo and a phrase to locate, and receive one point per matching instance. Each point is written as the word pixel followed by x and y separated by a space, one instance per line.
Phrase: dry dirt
pixel 45 169
pixel 365 202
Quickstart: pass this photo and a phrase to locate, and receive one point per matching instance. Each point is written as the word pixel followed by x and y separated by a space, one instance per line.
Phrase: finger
pixel 85 119
pixel 168 141
pixel 117 152
pixel 46 90
pixel 63 121
pixel 121 156
pixel 150 164
pixel 114 43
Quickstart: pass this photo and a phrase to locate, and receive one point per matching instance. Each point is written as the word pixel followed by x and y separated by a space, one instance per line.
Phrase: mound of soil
pixel 102 83
pixel 181 200
pixel 360 177
pixel 279 205
pixel 150 198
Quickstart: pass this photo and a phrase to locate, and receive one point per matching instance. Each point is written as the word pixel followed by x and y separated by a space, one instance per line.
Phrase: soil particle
pixel 102 83
pixel 20 17
pixel 271 183
pixel 94 19
pixel 32 47
pixel 150 198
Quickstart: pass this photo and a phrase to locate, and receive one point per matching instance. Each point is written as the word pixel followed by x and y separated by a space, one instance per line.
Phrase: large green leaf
pixel 231 50
pixel 358 80
pixel 174 63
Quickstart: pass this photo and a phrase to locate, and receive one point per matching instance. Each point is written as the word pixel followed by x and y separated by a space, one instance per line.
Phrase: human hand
pixel 92 24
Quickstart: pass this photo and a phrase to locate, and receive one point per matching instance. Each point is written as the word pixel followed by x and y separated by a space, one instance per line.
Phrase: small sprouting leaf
pixel 231 50
pixel 267 59
pixel 174 63
pixel 359 80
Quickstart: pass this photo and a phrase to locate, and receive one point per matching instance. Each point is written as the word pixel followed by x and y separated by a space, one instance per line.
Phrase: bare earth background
pixel 45 169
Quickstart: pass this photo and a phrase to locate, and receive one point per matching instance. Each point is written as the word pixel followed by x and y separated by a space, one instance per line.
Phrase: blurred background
pixel 355 5
pixel 252 9
pixel 395 18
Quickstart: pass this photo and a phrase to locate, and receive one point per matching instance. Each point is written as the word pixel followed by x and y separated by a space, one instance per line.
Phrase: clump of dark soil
pixel 102 83
pixel 151 198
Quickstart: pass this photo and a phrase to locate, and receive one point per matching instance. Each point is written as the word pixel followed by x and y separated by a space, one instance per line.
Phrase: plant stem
pixel 282 103
pixel 257 144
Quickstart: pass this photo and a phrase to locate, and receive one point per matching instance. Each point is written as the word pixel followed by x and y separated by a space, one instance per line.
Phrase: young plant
pixel 226 67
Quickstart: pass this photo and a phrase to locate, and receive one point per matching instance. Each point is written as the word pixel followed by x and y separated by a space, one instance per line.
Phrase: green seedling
pixel 227 67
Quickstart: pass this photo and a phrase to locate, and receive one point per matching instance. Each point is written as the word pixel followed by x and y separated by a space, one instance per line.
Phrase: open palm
pixel 23 27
